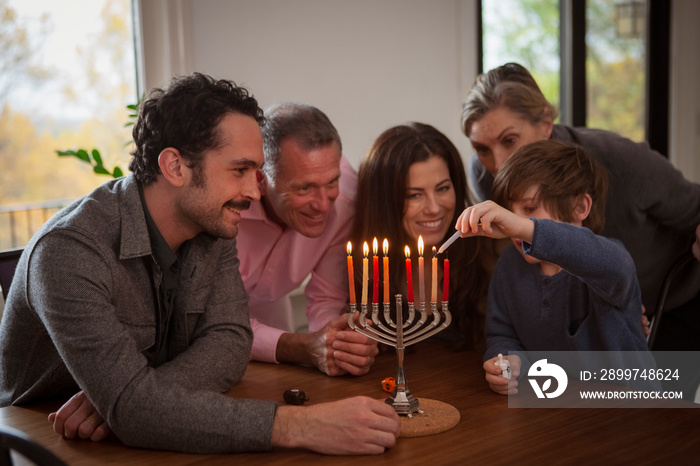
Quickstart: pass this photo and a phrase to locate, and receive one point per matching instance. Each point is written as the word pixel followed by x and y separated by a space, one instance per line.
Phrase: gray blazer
pixel 81 313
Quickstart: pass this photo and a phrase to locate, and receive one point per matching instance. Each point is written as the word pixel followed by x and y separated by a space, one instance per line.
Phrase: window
pixel 615 60
pixel 525 32
pixel 66 76
pixel 528 32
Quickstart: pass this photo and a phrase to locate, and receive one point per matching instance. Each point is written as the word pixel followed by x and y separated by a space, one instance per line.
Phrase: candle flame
pixel 365 250
pixel 407 252
pixel 434 251
pixel 374 246
pixel 420 245
pixel 349 248
pixel 385 247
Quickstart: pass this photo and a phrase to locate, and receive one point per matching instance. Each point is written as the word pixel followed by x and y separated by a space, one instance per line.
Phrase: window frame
pixel 572 54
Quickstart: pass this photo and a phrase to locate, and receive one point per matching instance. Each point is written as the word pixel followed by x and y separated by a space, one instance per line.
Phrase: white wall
pixel 368 64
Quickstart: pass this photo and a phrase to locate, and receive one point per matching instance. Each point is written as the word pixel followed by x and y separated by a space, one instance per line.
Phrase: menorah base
pixel 404 403
pixel 438 417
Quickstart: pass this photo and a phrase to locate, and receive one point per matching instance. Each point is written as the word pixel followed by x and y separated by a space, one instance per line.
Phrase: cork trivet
pixel 437 417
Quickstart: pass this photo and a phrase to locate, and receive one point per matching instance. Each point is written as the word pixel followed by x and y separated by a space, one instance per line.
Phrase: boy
pixel 562 287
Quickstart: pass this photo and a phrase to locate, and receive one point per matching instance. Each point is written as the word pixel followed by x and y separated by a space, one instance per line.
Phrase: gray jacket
pixel 81 315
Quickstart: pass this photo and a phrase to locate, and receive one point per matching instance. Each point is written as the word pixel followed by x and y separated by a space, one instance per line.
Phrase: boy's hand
pixel 492 220
pixel 502 385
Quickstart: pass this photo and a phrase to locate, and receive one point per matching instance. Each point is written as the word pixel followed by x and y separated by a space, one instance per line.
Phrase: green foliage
pixel 133 113
pixel 94 158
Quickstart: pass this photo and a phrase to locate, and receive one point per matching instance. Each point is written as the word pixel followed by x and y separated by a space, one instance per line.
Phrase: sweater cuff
pixel 527 247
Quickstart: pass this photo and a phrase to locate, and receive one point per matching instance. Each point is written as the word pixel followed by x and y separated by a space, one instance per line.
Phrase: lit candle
pixel 365 264
pixel 433 289
pixel 409 274
pixel 385 269
pixel 375 272
pixel 351 278
pixel 421 271
pixel 445 279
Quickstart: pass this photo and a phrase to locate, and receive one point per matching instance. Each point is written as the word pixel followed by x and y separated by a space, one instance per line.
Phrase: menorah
pixel 401 334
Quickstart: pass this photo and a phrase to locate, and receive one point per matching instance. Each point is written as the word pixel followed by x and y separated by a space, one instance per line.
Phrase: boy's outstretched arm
pixel 492 220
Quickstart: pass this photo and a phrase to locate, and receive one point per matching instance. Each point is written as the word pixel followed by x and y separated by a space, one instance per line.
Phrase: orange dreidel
pixel 388 384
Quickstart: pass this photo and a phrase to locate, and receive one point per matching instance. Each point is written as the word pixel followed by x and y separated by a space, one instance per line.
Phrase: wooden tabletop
pixel 489 432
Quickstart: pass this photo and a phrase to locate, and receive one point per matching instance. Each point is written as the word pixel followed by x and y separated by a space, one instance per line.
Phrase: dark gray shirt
pixel 169 265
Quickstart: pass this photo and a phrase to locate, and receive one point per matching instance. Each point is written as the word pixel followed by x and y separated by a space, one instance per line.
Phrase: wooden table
pixel 489 432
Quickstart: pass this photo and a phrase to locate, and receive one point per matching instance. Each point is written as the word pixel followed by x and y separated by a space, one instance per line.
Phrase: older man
pixel 299 229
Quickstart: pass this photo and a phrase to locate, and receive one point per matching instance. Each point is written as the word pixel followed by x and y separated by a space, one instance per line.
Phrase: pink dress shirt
pixel 276 261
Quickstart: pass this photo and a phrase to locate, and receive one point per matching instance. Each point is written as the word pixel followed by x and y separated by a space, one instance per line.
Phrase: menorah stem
pixel 401 400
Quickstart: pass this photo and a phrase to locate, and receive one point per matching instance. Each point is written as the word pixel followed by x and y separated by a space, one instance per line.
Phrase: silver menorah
pixel 401 334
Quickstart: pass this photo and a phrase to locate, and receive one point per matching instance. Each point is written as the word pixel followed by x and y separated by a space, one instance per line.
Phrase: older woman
pixel 651 208
pixel 412 183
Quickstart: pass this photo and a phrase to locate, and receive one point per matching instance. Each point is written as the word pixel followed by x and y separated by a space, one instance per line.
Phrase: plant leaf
pixel 83 155
pixel 118 173
pixel 100 170
pixel 97 157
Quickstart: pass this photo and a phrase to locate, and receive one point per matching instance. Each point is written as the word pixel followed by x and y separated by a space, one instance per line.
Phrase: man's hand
pixel 502 385
pixel 350 351
pixel 354 426
pixel 79 418
pixel 336 349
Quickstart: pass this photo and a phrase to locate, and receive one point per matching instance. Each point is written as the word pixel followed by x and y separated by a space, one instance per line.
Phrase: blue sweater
pixel 592 304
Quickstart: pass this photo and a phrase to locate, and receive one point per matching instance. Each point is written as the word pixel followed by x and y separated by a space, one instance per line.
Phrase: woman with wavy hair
pixel 412 183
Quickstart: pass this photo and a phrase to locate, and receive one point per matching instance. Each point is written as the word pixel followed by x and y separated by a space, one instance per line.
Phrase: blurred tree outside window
pixel 67 74
pixel 615 66
pixel 527 32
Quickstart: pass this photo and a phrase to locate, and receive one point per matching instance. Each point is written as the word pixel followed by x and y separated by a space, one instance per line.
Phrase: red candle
pixel 375 272
pixel 351 278
pixel 446 279
pixel 385 264
pixel 409 274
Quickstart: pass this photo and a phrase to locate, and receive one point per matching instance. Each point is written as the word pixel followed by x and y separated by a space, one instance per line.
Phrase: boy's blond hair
pixel 562 172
